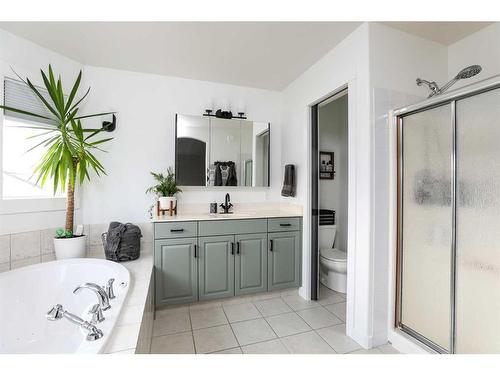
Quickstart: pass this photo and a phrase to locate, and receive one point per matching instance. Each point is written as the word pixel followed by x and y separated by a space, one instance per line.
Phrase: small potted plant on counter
pixel 165 189
pixel 69 150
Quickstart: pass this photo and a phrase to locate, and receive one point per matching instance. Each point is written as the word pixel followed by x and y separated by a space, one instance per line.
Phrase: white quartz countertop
pixel 236 215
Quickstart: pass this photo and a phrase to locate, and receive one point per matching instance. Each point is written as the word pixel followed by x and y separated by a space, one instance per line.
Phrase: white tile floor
pixel 271 323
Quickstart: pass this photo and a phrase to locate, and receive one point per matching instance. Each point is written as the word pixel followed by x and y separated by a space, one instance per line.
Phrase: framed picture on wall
pixel 326 165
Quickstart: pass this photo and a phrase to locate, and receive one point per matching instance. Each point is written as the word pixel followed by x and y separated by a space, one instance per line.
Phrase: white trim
pixel 361 337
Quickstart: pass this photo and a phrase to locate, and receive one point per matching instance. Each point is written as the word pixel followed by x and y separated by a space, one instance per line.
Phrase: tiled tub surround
pixel 26 248
pixel 268 323
pixel 133 330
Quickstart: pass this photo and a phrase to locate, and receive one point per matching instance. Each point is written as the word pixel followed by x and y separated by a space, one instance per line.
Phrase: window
pixel 18 162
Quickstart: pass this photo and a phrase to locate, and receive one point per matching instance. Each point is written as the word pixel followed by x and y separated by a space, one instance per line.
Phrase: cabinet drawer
pixel 176 230
pixel 284 224
pixel 238 226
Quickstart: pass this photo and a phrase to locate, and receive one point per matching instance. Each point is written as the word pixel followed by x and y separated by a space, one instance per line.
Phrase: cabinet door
pixel 176 274
pixel 216 267
pixel 250 263
pixel 284 260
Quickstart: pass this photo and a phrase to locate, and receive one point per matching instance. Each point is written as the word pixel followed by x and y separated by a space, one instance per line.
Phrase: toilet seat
pixel 333 255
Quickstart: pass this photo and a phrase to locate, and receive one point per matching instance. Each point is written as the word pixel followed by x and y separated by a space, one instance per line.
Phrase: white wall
pixel 346 64
pixel 333 137
pixel 27 59
pixel 483 48
pixel 144 139
pixel 396 60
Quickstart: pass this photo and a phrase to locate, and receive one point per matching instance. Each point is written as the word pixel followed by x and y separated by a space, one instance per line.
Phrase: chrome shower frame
pixel 450 98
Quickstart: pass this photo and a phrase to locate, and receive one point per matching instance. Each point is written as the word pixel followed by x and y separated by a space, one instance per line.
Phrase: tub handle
pixel 97 315
pixel 109 289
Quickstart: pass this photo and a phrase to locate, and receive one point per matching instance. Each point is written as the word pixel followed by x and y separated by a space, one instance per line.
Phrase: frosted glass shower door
pixel 478 224
pixel 426 232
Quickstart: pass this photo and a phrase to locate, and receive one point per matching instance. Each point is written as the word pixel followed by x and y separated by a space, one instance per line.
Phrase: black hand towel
pixel 289 181
pixel 218 175
pixel 232 180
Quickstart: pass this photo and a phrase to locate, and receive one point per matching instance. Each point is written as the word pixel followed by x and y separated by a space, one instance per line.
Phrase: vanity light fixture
pixel 223 114
pixel 224 110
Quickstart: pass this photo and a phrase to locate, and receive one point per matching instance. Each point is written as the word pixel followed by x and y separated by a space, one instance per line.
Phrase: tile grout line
pixel 279 338
pixel 232 330
pixel 312 329
pixel 192 332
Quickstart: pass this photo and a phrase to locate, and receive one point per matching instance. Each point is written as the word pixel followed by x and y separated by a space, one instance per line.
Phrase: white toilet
pixel 333 262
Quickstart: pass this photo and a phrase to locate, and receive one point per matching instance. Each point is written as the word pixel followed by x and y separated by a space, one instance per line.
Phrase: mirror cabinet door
pixel 192 150
pixel 246 162
pixel 261 156
pixel 225 143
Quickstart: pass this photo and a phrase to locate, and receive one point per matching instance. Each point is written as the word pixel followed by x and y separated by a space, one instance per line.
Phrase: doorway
pixel 329 199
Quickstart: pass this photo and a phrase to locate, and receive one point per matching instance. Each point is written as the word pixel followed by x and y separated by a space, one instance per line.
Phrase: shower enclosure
pixel 448 255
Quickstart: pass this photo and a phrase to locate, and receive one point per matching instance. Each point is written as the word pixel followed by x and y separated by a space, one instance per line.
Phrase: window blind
pixel 18 95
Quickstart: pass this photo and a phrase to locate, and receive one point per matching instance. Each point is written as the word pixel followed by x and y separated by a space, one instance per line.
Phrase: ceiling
pixel 257 54
pixel 441 32
pixel 266 55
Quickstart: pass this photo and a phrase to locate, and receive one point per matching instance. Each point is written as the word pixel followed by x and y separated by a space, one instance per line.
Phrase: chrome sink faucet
pixel 226 206
pixel 102 296
pixel 58 312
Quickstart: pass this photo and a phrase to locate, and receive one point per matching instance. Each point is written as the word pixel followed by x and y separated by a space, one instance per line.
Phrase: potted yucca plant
pixel 165 188
pixel 69 151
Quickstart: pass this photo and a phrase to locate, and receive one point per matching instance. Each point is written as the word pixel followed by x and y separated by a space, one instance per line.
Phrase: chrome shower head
pixel 465 73
pixel 469 72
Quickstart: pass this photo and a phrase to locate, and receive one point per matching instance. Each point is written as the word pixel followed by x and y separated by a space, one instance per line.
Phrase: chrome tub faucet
pixel 102 296
pixel 58 312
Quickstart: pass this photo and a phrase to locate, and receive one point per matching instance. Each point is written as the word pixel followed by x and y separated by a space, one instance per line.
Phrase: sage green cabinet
pixel 202 260
pixel 176 270
pixel 283 260
pixel 216 267
pixel 250 263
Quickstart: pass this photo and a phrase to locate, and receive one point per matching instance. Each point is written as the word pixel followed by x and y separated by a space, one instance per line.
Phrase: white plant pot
pixel 67 248
pixel 165 202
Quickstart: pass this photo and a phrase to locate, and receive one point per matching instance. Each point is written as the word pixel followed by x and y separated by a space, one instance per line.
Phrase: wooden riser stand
pixel 171 211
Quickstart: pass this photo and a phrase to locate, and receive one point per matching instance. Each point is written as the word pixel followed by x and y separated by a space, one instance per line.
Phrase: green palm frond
pixel 67 155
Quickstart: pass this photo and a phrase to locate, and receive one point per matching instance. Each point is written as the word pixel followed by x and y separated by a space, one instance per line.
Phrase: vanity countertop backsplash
pixel 200 212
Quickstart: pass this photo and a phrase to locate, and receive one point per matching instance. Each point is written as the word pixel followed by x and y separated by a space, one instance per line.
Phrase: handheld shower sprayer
pixel 465 73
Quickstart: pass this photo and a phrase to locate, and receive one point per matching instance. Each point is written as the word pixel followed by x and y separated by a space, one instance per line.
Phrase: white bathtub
pixel 26 294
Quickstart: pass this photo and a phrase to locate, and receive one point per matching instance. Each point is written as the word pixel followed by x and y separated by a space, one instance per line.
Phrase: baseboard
pixel 364 340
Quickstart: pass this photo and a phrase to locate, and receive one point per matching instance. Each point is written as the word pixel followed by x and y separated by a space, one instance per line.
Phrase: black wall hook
pixel 109 126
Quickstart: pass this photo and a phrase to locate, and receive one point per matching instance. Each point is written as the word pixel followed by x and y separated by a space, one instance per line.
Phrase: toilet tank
pixel 327 236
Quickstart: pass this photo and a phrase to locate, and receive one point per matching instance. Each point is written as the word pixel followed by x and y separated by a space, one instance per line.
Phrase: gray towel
pixel 289 181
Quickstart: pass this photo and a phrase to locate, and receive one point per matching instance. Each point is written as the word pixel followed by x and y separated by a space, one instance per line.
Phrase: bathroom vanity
pixel 207 257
